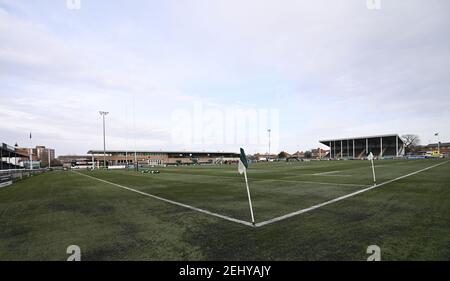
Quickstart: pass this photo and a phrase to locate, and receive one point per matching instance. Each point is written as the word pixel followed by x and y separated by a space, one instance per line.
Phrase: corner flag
pixel 243 162
pixel 242 168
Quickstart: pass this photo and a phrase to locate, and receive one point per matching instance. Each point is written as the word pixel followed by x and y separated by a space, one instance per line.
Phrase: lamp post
pixel 31 153
pixel 103 114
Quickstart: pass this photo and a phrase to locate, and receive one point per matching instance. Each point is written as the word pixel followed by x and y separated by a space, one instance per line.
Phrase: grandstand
pixel 79 161
pixel 9 158
pixel 144 157
pixel 382 146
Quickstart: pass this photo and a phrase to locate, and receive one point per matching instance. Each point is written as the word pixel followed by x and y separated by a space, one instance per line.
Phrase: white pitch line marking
pixel 325 173
pixel 333 175
pixel 314 182
pixel 329 174
pixel 277 219
pixel 172 202
pixel 265 180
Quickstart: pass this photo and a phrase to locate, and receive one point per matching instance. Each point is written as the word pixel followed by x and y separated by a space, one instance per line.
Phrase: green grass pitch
pixel 409 218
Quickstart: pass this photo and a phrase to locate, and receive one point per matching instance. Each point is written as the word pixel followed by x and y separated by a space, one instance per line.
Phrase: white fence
pixel 19 174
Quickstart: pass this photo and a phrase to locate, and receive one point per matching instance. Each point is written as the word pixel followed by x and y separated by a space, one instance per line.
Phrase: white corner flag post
pixel 242 168
pixel 370 158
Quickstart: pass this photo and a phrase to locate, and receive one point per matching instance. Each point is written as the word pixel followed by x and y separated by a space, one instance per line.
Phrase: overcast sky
pixel 309 69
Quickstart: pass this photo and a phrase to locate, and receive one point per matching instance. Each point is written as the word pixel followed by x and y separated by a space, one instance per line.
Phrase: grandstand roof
pixel 159 151
pixel 364 137
pixel 9 150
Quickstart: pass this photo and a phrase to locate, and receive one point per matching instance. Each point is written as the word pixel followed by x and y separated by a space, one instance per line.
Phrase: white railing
pixel 18 174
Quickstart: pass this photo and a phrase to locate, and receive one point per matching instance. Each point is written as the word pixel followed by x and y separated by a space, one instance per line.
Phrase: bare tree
pixel 411 142
pixel 283 154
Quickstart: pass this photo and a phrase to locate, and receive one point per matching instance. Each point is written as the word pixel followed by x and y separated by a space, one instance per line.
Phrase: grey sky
pixel 330 68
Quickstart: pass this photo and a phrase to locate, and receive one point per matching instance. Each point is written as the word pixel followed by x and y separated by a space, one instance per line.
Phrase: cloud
pixel 331 68
pixel 56 89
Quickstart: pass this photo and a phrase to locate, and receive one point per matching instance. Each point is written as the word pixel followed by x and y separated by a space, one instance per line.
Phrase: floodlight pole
pixel 31 153
pixel 439 144
pixel 103 114
pixel 269 130
pixel 136 164
pixel 31 159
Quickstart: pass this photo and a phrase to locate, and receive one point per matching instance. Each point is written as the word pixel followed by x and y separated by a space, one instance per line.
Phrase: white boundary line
pixel 329 175
pixel 172 202
pixel 325 173
pixel 290 215
pixel 274 180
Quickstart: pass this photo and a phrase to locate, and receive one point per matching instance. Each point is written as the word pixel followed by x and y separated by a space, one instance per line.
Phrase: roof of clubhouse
pixel 160 152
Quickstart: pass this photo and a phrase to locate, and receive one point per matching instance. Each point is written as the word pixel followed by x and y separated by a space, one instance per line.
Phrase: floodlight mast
pixel 31 153
pixel 136 164
pixel 438 143
pixel 269 130
pixel 103 114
